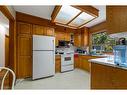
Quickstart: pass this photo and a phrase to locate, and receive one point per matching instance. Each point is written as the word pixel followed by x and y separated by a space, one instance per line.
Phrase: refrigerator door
pixel 43 42
pixel 43 64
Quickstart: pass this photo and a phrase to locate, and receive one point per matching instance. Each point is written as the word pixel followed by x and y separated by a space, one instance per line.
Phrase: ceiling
pixel 46 11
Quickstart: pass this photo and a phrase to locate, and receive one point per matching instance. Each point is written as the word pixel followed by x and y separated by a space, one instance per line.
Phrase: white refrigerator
pixel 43 56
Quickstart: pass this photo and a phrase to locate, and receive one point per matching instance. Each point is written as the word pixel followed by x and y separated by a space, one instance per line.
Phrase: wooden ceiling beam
pixel 55 12
pixel 6 12
pixel 88 9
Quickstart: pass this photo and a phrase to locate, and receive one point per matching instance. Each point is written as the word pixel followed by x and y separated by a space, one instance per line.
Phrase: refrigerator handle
pixel 54 50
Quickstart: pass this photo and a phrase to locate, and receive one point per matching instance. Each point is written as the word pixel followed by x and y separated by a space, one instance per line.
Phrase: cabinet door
pixel 58 64
pixel 38 30
pixel 24 28
pixel 84 37
pixel 85 64
pixel 24 67
pixel 24 46
pixel 58 36
pixel 67 36
pixel 24 63
pixel 116 19
pixel 49 31
pixel 77 39
pixel 101 76
pixel 119 78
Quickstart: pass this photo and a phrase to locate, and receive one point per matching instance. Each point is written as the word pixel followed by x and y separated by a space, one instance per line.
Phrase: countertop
pixel 103 55
pixel 106 61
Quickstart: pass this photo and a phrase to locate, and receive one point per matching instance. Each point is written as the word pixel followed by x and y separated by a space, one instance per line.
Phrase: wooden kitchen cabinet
pixel 58 63
pixel 38 30
pixel 84 37
pixel 24 46
pixel 85 64
pixel 107 77
pixel 77 39
pixel 24 28
pixel 82 62
pixel 24 56
pixel 62 36
pixel 67 36
pixel 116 19
pixel 24 50
pixel 49 31
pixel 24 67
pixel 41 30
pixel 101 76
pixel 76 60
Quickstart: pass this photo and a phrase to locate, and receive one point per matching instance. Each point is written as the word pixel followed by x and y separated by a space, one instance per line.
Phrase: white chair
pixel 3 79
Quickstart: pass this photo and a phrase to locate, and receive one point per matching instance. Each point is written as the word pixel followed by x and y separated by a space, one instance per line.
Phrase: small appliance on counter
pixel 122 41
pixel 120 55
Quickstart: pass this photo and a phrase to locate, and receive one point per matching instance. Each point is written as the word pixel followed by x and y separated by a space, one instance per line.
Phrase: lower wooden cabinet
pixel 58 63
pixel 76 61
pixel 24 56
pixel 81 62
pixel 107 77
pixel 85 65
pixel 24 68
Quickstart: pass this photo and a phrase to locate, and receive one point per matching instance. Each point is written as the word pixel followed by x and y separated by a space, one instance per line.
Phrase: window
pixel 103 40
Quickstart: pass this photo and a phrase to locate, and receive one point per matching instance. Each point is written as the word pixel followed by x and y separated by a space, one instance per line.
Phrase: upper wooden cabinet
pixel 77 39
pixel 62 36
pixel 38 30
pixel 84 37
pixel 49 31
pixel 41 30
pixel 24 28
pixel 81 37
pixel 116 19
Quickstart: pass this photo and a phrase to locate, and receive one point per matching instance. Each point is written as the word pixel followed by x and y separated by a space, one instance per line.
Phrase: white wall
pixel 2 45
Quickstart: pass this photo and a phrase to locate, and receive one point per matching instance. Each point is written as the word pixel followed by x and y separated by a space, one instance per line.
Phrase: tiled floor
pixel 76 79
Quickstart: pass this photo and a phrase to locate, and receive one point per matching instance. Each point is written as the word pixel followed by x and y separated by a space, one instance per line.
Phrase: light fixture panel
pixel 66 14
pixel 81 19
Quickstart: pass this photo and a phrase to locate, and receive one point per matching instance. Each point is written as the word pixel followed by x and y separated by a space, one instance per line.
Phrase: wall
pixel 2 45
pixel 98 28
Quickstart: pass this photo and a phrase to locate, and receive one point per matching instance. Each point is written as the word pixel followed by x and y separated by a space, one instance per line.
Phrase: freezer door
pixel 43 64
pixel 43 42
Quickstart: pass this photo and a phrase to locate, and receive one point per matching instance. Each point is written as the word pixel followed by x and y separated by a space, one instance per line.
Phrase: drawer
pixel 67 68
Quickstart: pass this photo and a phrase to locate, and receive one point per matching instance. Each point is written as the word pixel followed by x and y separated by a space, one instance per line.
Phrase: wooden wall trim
pixel 6 12
pixel 22 17
pixel 98 28
pixel 12 40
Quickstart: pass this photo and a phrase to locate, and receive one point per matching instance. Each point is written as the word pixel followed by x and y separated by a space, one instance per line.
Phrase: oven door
pixel 67 59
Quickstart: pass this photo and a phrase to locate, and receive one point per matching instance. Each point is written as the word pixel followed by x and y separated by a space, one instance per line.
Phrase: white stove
pixel 67 62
